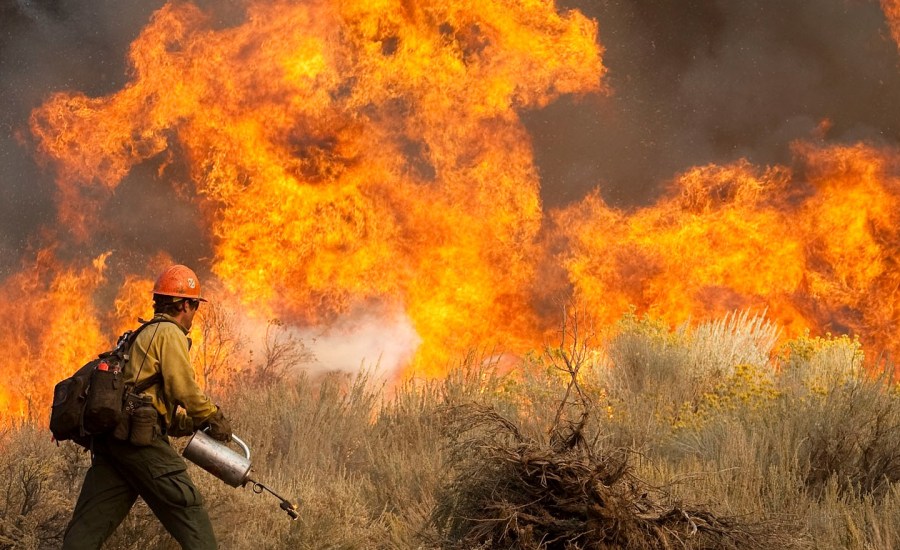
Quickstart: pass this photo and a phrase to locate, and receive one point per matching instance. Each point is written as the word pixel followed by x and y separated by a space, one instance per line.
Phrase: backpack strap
pixel 128 340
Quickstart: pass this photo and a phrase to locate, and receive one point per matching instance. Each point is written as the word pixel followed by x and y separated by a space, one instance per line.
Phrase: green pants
pixel 120 472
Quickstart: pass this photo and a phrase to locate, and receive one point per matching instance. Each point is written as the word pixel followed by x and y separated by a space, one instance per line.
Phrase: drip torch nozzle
pixel 291 509
pixel 286 505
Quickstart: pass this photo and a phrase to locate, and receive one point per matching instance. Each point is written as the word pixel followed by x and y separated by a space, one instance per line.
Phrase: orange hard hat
pixel 178 281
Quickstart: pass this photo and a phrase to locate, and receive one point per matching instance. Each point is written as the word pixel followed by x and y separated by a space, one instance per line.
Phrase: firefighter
pixel 121 471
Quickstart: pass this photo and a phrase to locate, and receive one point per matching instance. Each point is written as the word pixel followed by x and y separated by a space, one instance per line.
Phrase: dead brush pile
pixel 561 489
pixel 509 491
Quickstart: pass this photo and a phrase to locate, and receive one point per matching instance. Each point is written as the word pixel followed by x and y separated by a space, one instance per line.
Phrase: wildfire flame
pixel 347 153
pixel 50 324
pixel 816 247
pixel 350 156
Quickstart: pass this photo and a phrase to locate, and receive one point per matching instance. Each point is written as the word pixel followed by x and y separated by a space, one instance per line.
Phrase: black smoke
pixel 711 81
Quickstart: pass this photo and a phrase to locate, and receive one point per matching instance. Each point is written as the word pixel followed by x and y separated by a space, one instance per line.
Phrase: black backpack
pixel 90 402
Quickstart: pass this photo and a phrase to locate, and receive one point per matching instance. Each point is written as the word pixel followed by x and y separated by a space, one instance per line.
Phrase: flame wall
pixel 326 159
pixel 345 153
pixel 816 246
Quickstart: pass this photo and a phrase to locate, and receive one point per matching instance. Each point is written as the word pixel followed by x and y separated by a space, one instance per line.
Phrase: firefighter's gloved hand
pixel 219 427
pixel 182 425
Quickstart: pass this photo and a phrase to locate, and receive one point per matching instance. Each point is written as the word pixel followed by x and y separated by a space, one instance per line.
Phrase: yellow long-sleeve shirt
pixel 163 347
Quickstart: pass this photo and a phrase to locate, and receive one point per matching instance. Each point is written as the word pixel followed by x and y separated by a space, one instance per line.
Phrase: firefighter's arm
pixel 178 375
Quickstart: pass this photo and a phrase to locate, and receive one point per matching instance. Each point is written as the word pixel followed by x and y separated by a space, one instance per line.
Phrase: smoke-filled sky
pixel 700 81
pixel 692 82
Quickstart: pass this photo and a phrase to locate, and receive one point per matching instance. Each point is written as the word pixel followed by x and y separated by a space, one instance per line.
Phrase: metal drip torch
pixel 227 465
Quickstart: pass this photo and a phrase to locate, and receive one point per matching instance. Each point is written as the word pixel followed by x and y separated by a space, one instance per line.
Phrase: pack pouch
pixel 144 424
pixel 103 405
pixel 138 415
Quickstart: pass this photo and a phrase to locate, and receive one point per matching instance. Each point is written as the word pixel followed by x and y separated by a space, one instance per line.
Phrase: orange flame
pixel 348 154
pixel 50 326
pixel 817 250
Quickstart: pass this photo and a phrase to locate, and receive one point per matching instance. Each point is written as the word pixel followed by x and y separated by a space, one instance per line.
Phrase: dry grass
pixel 685 438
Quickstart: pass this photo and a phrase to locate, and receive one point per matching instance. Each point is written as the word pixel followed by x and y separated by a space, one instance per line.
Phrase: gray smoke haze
pixel 694 82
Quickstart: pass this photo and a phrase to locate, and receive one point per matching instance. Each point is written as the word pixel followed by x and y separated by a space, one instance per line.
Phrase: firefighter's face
pixel 189 309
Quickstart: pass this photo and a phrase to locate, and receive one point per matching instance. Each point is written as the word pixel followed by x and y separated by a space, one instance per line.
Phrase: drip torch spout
pixel 286 505
pixel 227 465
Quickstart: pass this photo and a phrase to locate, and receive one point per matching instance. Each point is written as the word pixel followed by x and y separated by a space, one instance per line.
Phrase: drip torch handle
pixel 239 441
pixel 243 445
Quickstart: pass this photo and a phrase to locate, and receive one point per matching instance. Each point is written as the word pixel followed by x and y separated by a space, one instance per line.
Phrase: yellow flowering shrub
pixel 748 389
pixel 817 364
